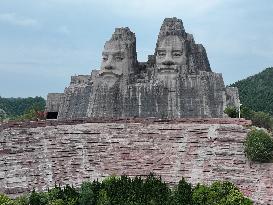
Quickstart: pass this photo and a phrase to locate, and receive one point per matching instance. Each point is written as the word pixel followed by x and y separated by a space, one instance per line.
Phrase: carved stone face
pixel 115 61
pixel 170 55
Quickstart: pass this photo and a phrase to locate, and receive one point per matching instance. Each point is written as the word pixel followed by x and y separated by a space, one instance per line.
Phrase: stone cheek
pixel 70 154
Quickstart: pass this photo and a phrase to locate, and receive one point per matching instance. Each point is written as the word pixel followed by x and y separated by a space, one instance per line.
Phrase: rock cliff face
pixel 201 150
pixel 175 82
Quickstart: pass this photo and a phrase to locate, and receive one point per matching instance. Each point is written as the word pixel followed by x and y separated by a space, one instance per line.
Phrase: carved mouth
pixel 109 74
pixel 168 69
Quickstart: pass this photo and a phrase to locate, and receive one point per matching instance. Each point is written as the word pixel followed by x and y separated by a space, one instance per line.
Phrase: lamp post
pixel 240 110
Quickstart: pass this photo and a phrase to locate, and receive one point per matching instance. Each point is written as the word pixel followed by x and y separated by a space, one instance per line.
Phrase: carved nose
pixel 168 62
pixel 109 67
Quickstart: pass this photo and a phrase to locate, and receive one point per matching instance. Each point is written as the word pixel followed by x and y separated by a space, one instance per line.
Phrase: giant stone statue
pixel 175 82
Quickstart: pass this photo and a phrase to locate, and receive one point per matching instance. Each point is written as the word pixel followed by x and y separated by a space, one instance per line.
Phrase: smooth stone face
pixel 170 55
pixel 114 63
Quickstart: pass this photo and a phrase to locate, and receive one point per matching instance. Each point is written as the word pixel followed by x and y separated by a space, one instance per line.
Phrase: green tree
pixel 246 112
pixel 4 200
pixel 86 194
pixel 219 193
pixel 22 200
pixel 262 119
pixel 236 198
pixel 3 115
pixel 259 146
pixel 182 194
pixel 231 112
pixel 103 198
pixel 15 107
pixel 256 92
pixel 200 195
pixel 57 202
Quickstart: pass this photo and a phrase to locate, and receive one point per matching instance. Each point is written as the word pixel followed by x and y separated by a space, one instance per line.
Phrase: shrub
pixel 236 198
pixel 261 119
pixel 259 146
pixel 219 193
pixel 38 198
pixel 57 202
pixel 86 194
pixel 4 199
pixel 182 194
pixel 200 195
pixel 123 190
pixel 22 200
pixel 231 112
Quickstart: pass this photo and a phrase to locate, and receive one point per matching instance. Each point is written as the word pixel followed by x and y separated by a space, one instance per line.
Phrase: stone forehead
pixel 121 39
pixel 173 41
pixel 115 46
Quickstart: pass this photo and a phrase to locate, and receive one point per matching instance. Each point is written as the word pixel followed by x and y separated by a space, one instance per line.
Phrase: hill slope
pixel 18 106
pixel 256 92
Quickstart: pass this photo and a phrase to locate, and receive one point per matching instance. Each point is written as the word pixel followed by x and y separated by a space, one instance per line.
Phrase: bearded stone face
pixel 115 62
pixel 170 55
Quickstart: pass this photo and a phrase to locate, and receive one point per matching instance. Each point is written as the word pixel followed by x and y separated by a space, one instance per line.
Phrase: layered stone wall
pixel 201 150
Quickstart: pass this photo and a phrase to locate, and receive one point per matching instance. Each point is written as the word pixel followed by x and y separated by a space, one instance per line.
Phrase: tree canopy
pixel 15 107
pixel 256 92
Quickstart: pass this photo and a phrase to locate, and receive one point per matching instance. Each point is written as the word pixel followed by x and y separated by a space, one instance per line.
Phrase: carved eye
pixel 118 58
pixel 104 58
pixel 177 53
pixel 161 53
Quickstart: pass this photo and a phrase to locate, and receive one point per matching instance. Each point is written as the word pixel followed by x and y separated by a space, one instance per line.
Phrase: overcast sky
pixel 44 42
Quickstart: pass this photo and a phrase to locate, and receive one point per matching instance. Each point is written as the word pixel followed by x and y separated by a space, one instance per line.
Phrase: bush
pixel 123 190
pixel 259 146
pixel 261 119
pixel 231 112
pixel 219 193
pixel 86 194
pixel 4 199
pixel 22 200
pixel 182 194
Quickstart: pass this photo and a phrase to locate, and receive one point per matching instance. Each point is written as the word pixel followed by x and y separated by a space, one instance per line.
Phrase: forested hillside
pixel 15 107
pixel 256 92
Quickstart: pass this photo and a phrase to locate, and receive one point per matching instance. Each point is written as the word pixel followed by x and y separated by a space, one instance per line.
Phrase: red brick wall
pixel 201 151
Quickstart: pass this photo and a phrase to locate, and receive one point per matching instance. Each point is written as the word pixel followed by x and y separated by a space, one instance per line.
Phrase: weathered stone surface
pixel 232 97
pixel 201 152
pixel 74 102
pixel 53 101
pixel 175 82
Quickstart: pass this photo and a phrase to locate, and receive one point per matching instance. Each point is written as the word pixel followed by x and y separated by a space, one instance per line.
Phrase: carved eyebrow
pixel 114 53
pixel 177 50
pixel 161 50
pixel 119 53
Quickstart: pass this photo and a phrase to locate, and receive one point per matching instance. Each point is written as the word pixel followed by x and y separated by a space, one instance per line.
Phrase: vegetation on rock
pixel 135 191
pixel 259 146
